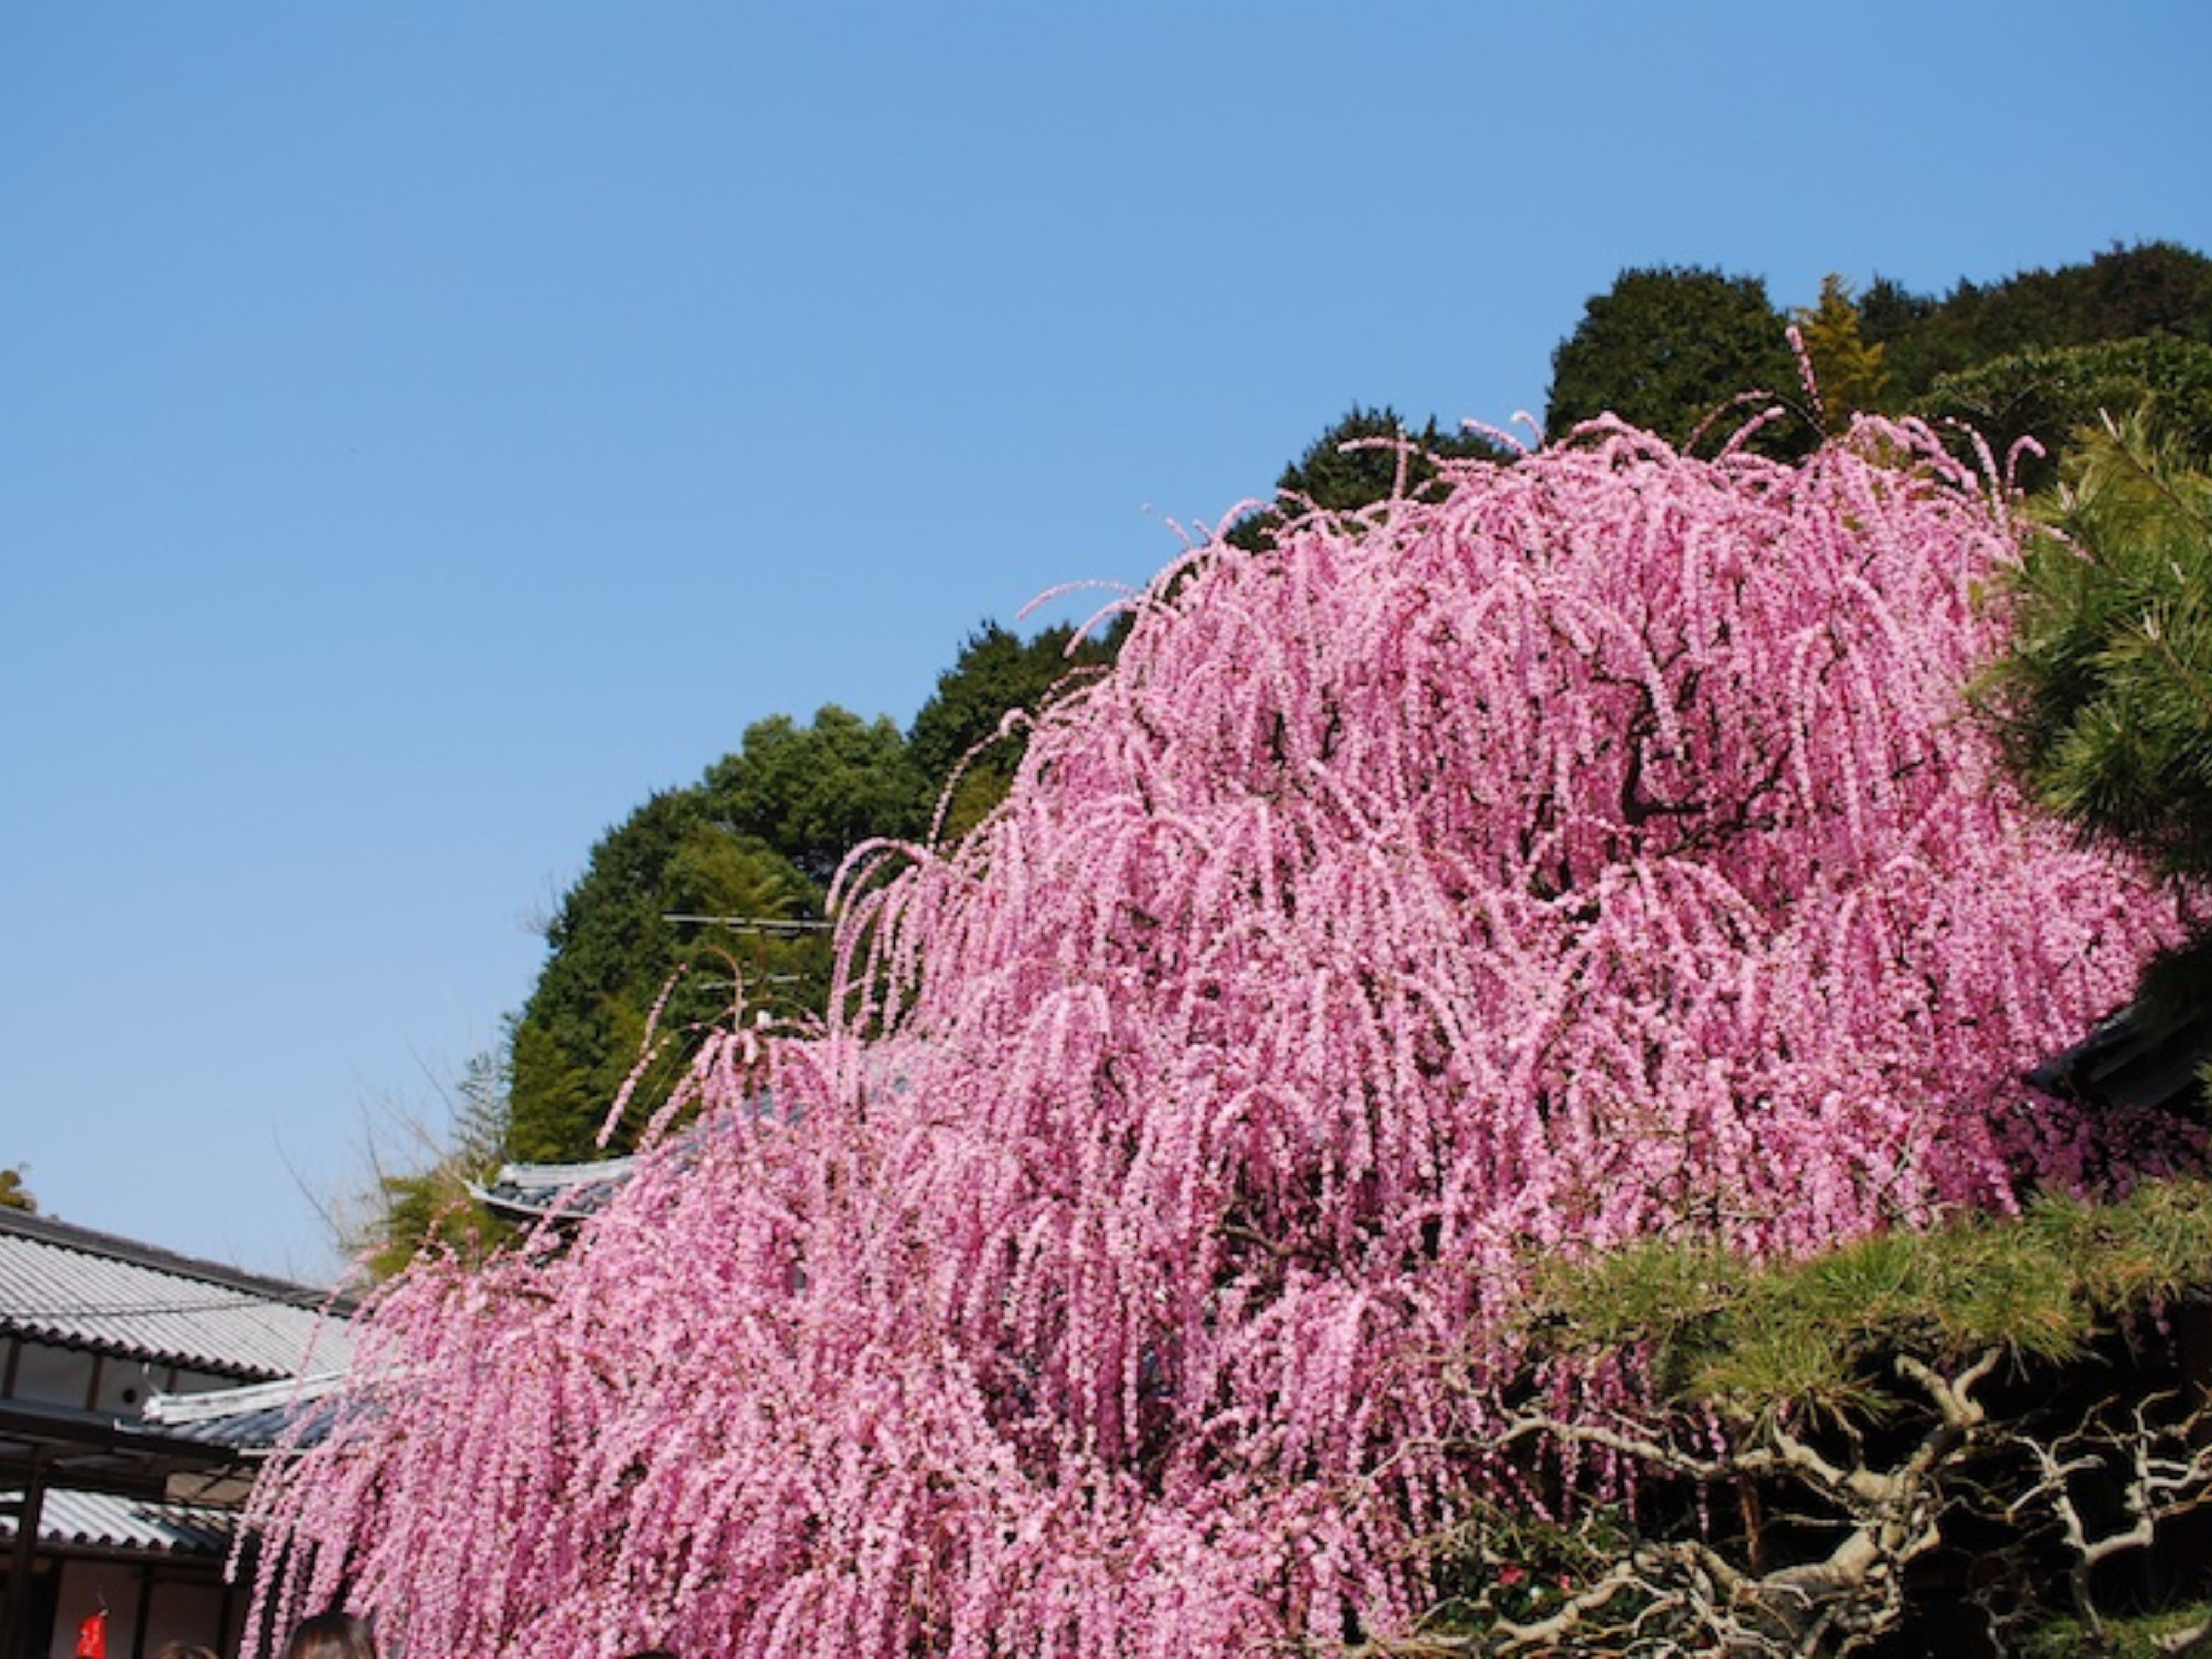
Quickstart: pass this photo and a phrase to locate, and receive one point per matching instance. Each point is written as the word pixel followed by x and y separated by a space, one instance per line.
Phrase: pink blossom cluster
pixel 1596 848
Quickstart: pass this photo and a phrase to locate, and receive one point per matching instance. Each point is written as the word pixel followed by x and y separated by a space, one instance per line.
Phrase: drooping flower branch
pixel 1593 848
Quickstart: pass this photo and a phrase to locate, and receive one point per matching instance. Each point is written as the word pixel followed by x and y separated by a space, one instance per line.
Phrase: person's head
pixel 184 1650
pixel 331 1636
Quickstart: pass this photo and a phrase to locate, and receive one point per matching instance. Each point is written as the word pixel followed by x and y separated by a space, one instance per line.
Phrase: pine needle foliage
pixel 2105 698
pixel 1991 1424
pixel 1721 1329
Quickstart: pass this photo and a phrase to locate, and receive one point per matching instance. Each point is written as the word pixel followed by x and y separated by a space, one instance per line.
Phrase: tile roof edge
pixel 170 1409
pixel 68 1235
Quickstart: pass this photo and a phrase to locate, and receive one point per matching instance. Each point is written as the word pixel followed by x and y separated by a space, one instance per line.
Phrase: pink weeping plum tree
pixel 1593 848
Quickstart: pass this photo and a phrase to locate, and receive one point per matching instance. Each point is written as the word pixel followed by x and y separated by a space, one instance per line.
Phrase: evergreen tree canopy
pixel 1888 310
pixel 2038 354
pixel 1368 456
pixel 724 881
pixel 2155 288
pixel 615 949
pixel 960 729
pixel 1669 348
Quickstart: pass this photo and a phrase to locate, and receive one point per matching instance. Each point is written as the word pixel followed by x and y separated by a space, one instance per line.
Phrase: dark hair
pixel 331 1636
pixel 184 1650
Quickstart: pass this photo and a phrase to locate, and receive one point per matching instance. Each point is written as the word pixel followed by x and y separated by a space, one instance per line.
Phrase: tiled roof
pixel 252 1417
pixel 524 1191
pixel 527 1192
pixel 90 1520
pixel 81 1289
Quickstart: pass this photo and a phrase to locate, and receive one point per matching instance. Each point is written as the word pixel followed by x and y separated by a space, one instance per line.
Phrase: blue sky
pixel 428 429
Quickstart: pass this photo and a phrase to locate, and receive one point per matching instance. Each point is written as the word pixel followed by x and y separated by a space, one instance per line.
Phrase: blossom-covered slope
pixel 1598 849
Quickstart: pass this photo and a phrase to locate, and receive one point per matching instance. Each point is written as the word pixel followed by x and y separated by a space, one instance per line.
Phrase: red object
pixel 92 1636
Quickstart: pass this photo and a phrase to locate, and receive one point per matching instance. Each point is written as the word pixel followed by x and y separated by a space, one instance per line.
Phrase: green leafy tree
pixel 1360 460
pixel 813 793
pixel 959 730
pixel 1367 456
pixel 1889 311
pixel 2052 393
pixel 2154 289
pixel 14 1194
pixel 723 883
pixel 646 929
pixel 1670 348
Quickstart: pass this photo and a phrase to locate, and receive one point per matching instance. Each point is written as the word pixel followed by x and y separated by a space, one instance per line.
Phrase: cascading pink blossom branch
pixel 1598 850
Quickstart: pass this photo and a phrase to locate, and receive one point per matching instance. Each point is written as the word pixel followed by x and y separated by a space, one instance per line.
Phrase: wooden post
pixel 16 1640
pixel 145 1612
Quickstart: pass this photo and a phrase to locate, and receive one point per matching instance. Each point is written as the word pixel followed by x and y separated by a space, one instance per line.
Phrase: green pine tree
pixel 2105 699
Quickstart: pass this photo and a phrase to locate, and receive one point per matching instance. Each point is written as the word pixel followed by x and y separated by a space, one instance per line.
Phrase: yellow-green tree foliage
pixel 1848 369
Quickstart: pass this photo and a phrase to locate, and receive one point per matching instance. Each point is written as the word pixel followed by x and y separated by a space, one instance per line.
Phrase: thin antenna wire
pixel 781 925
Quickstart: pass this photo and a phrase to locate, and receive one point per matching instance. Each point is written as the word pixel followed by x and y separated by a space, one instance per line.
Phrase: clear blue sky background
pixel 428 429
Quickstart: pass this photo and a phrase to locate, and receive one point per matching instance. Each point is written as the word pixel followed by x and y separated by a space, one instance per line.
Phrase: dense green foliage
pixel 627 936
pixel 2105 699
pixel 2038 353
pixel 2044 354
pixel 2155 289
pixel 2042 1286
pixel 2050 393
pixel 723 885
pixel 812 793
pixel 1670 349
pixel 1369 455
pixel 960 740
